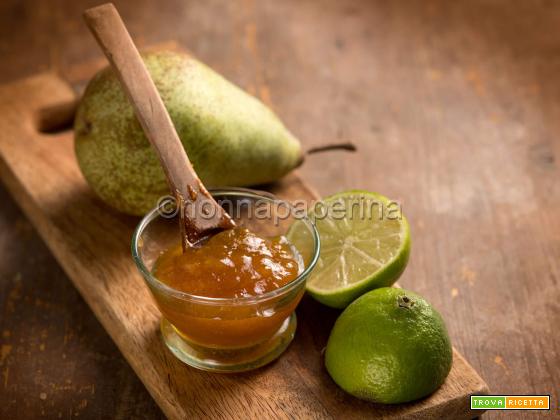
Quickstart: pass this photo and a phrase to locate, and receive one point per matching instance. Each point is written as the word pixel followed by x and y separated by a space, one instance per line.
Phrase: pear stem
pixel 348 146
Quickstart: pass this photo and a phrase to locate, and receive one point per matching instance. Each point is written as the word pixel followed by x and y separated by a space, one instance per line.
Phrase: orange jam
pixel 232 264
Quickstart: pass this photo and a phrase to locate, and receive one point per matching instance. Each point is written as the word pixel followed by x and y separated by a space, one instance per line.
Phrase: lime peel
pixel 357 254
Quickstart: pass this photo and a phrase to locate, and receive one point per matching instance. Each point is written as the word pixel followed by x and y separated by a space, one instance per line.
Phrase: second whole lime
pixel 389 346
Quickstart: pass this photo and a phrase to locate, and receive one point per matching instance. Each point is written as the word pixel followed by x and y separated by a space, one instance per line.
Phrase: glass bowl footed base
pixel 229 360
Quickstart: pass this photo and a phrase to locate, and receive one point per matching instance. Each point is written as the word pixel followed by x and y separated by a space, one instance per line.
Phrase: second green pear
pixel 232 139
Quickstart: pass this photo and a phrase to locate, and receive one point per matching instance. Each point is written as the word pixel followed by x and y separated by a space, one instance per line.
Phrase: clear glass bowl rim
pixel 239 192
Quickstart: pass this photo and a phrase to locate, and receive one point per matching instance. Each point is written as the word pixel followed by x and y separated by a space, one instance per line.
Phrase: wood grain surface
pixel 92 243
pixel 454 106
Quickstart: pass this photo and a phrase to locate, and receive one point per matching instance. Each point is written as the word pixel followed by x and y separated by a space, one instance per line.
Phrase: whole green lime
pixel 389 346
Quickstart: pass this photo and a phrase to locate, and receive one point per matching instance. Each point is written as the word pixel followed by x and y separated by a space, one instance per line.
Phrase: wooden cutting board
pixel 91 242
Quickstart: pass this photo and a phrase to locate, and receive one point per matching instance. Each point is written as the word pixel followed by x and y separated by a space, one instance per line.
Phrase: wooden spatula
pixel 200 214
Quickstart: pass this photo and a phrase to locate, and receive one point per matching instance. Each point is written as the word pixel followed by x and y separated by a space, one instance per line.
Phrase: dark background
pixel 455 108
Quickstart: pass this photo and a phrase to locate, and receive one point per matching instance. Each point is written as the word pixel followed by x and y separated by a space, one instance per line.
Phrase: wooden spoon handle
pixel 108 28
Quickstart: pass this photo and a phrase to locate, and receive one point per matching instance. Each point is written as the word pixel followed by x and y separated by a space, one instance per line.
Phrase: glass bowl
pixel 227 334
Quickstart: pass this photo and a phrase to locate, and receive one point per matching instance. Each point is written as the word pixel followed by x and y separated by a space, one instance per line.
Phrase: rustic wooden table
pixel 455 107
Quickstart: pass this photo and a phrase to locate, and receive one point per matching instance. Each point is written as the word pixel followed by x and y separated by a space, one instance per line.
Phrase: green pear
pixel 231 138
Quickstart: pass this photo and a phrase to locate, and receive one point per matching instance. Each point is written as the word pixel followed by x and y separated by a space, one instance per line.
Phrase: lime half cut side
pixel 365 244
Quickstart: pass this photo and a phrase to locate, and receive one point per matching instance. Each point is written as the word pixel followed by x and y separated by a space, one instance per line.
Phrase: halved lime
pixel 365 244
